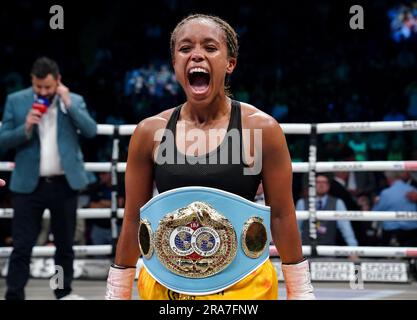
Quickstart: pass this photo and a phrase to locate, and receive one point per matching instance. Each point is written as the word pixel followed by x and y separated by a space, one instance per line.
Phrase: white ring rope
pixel 331 251
pixel 366 126
pixel 300 128
pixel 296 128
pixel 104 213
pixel 346 251
pixel 366 166
pixel 108 129
pixel 104 129
pixel 301 215
pixel 127 129
pixel 298 167
pixel 303 128
pixel 48 251
pixel 367 215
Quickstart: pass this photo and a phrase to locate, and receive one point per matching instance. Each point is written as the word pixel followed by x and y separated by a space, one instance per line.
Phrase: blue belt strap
pixel 235 208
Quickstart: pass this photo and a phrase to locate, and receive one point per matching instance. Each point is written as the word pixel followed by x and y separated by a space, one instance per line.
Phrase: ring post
pixel 114 192
pixel 312 159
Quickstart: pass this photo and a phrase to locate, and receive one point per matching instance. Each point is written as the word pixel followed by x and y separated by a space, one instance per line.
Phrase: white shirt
pixel 50 162
pixel 341 181
pixel 352 181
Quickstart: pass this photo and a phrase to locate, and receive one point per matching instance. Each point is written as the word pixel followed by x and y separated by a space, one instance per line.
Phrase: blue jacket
pixel 25 175
pixel 394 198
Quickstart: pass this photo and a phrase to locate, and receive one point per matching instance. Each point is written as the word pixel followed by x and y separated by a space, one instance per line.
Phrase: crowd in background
pixel 301 63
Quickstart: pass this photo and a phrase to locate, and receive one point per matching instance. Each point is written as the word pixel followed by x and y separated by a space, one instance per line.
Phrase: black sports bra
pixel 225 175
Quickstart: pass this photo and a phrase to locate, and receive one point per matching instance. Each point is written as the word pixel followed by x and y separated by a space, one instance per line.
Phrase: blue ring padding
pixel 235 208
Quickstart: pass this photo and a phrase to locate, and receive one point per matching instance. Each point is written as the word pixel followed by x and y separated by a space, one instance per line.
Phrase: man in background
pixel 326 230
pixel 41 124
pixel 396 198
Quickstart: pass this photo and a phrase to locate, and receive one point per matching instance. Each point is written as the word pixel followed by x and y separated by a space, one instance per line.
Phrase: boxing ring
pixel 381 270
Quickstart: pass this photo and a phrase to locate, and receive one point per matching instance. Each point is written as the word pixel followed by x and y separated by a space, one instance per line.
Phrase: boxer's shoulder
pixel 272 133
pixel 254 118
pixel 152 124
pixel 149 131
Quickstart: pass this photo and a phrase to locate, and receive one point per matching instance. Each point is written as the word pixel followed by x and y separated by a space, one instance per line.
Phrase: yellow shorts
pixel 262 284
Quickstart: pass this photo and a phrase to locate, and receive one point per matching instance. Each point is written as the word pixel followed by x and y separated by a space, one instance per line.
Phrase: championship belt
pixel 199 240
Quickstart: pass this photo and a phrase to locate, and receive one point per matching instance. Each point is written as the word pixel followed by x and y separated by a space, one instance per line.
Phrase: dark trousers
pixel 56 195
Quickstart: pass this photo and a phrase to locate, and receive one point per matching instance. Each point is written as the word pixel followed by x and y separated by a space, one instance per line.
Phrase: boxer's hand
pixel 33 117
pixel 354 258
pixel 412 196
pixel 64 93
pixel 297 281
pixel 2 183
pixel 119 283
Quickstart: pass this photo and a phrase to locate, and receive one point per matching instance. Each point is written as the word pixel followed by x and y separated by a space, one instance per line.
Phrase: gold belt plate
pixel 195 241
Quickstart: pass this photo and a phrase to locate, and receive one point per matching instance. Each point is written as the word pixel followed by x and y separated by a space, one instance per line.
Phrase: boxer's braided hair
pixel 230 34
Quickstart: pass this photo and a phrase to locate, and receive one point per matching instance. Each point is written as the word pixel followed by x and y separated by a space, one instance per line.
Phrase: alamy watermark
pixel 57 280
pixel 57 20
pixel 356 282
pixel 357 20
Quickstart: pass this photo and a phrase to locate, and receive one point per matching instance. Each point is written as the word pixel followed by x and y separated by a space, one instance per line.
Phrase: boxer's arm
pixel 277 182
pixel 138 185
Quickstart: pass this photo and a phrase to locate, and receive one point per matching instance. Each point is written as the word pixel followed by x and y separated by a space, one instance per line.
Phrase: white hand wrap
pixel 297 281
pixel 120 283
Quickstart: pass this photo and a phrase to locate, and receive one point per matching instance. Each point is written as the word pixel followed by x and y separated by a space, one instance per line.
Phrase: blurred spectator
pixel 151 86
pixel 279 111
pixel 338 190
pixel 353 108
pixel 408 178
pixel 359 146
pixel 326 230
pixel 364 202
pixel 396 149
pixel 370 233
pixel 394 115
pixel 357 182
pixel 332 146
pixel 394 198
pixel 378 146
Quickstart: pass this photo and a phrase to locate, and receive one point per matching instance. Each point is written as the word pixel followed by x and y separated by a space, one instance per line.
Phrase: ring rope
pixel 329 251
pixel 84 213
pixel 298 167
pixel 321 128
pixel 301 128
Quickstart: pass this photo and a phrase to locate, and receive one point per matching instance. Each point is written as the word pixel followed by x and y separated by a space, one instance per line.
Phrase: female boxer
pixel 204 53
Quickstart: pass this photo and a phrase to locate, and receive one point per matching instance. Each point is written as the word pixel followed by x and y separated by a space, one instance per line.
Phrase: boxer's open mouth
pixel 199 79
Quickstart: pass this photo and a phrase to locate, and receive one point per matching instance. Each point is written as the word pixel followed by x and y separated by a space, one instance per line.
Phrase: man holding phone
pixel 42 124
